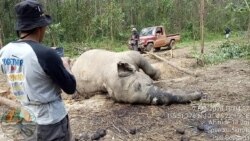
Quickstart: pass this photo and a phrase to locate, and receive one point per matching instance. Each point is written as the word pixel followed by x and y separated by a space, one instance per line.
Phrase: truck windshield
pixel 147 31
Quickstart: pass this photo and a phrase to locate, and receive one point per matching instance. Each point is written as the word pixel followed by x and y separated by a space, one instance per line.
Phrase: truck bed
pixel 176 37
pixel 169 35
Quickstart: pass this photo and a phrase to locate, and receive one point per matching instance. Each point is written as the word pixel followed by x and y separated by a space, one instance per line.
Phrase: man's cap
pixel 30 15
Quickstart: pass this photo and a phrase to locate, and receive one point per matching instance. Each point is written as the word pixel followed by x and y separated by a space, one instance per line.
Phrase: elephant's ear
pixel 125 69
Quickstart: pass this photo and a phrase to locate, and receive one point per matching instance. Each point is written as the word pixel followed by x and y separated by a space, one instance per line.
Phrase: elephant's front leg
pixel 159 96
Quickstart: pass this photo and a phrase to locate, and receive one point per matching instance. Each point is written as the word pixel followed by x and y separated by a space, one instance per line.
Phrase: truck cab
pixel 155 37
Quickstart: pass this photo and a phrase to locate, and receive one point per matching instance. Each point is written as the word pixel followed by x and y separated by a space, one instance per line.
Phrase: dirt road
pixel 222 114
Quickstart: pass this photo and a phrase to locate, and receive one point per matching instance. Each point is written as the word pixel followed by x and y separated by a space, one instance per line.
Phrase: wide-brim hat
pixel 30 15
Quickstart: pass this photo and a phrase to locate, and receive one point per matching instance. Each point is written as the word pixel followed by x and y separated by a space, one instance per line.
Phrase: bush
pixel 228 50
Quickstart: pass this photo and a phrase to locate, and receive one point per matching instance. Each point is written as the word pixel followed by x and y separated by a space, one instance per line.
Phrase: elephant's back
pixel 90 70
pixel 98 57
pixel 92 59
pixel 95 65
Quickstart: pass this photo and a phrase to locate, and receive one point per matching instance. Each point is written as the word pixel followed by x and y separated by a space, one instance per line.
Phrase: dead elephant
pixel 126 77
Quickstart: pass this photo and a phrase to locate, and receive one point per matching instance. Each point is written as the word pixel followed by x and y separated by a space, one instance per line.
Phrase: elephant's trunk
pixel 186 98
pixel 159 96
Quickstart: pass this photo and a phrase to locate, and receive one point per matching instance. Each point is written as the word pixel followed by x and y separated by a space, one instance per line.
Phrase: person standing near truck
pixel 36 74
pixel 134 40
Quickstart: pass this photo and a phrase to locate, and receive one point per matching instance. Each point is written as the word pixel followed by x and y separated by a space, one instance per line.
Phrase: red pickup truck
pixel 155 38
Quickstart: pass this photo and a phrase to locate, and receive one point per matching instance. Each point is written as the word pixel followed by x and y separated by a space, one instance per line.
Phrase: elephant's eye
pixel 137 86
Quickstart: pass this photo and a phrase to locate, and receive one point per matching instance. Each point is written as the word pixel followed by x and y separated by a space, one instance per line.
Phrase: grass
pixel 225 51
pixel 217 48
pixel 209 37
pixel 75 49
pixel 105 43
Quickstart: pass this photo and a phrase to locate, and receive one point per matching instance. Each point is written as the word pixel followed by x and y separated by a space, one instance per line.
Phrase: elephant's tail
pixel 159 96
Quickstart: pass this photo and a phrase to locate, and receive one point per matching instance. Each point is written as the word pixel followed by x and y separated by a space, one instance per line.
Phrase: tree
pixel 1 38
pixel 202 25
pixel 89 20
pixel 248 29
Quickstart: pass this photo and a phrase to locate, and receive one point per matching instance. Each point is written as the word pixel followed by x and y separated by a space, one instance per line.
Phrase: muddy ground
pixel 222 114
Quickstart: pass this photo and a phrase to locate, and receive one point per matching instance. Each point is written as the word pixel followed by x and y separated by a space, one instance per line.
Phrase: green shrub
pixel 228 50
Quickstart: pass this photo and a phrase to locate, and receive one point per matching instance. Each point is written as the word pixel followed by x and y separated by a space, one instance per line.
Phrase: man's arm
pixel 55 68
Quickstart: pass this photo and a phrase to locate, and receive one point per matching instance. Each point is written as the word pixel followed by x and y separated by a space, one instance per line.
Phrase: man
pixel 36 74
pixel 227 32
pixel 134 40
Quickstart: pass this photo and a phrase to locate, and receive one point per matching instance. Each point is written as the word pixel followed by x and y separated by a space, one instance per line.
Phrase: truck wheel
pixel 150 47
pixel 171 45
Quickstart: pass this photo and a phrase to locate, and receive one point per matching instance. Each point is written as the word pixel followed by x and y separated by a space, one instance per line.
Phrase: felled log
pixel 172 65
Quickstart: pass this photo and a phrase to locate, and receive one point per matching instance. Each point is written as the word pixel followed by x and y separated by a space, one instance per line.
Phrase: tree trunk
pixel 1 37
pixel 111 22
pixel 248 29
pixel 202 25
pixel 1 41
pixel 53 38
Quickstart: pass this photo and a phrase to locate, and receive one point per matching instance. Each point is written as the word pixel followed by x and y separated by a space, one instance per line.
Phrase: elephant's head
pixel 135 83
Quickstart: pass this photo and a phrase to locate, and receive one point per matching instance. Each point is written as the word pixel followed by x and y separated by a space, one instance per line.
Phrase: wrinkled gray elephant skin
pixel 126 77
